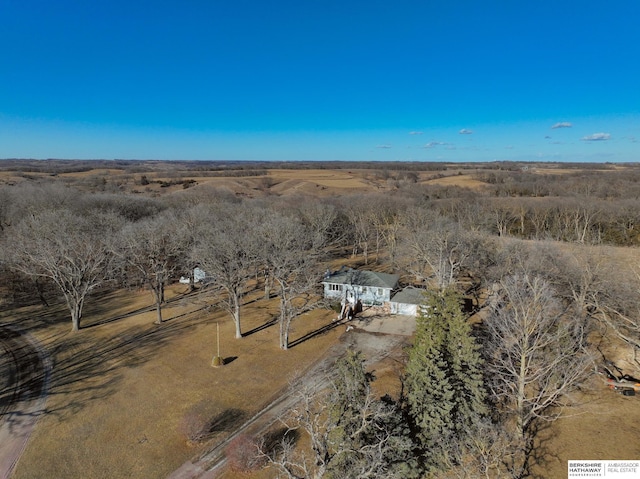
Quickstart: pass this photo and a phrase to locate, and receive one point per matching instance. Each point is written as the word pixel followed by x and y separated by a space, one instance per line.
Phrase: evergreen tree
pixel 465 363
pixel 443 382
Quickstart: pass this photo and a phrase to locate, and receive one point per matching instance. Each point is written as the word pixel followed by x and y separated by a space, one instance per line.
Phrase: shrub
pixel 195 425
pixel 243 454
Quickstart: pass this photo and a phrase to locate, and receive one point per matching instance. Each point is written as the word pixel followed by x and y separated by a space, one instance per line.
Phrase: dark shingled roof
pixel 363 278
pixel 409 296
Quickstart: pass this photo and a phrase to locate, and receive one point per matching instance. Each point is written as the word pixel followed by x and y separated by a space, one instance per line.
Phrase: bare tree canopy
pixel 68 249
pixel 434 248
pixel 226 247
pixel 152 250
pixel 536 351
pixel 289 252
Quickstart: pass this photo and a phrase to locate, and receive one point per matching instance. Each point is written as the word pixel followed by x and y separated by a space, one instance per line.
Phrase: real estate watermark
pixel 612 469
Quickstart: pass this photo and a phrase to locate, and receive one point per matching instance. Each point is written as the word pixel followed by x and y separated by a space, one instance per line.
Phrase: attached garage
pixel 407 301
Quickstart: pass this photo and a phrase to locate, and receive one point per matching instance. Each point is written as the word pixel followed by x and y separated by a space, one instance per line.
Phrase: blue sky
pixel 329 80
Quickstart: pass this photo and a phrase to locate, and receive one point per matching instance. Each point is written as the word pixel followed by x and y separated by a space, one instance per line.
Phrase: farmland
pixel 122 388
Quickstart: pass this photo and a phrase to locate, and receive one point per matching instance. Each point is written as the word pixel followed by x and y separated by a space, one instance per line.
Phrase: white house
pixel 368 287
pixel 407 301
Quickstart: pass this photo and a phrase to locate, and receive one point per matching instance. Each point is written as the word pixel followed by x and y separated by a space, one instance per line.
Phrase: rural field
pixel 127 395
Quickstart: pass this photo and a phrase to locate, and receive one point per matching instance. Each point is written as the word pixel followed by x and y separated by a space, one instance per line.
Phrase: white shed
pixel 199 275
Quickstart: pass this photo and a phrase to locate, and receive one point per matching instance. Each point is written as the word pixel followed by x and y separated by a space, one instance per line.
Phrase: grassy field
pixel 122 387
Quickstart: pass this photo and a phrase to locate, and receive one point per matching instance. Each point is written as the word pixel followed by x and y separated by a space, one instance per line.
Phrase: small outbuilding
pixel 199 276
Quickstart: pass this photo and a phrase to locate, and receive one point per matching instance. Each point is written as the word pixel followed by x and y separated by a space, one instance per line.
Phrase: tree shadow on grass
pixel 312 334
pixel 539 455
pixel 227 420
pixel 26 371
pixel 85 370
pixel 200 424
pixel 274 440
pixel 98 310
pixel 270 322
pixel 101 309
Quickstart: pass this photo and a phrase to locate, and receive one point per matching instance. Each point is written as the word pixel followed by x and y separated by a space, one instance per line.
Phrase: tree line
pixel 473 397
pixel 79 242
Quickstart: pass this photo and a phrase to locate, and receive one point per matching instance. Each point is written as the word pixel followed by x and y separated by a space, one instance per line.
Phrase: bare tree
pixel 600 289
pixel 290 253
pixel 318 216
pixel 66 248
pixel 536 351
pixel 32 199
pixel 605 292
pixel 386 218
pixel 153 249
pixel 5 208
pixel 502 217
pixel 227 249
pixel 358 212
pixel 488 451
pixel 435 248
pixel 352 434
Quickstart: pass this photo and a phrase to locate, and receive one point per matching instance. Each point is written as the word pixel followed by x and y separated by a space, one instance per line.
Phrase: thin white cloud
pixel 597 137
pixel 562 124
pixel 415 133
pixel 384 147
pixel 464 131
pixel 433 144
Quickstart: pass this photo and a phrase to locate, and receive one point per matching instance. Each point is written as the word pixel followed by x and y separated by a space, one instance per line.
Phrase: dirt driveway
pixel 24 371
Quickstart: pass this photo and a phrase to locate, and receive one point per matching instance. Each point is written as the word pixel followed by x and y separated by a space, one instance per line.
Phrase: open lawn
pixel 122 387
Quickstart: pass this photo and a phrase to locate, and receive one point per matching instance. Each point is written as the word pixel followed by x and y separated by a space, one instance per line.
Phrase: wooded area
pixel 529 245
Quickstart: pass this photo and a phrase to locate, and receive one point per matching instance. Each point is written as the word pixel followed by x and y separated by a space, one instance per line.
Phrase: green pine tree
pixel 443 383
pixel 465 363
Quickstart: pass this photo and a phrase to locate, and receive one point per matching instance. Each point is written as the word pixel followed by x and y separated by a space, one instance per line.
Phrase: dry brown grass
pixel 603 426
pixel 464 181
pixel 120 389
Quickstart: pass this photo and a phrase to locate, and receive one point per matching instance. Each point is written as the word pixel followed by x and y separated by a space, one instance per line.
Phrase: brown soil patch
pixel 120 389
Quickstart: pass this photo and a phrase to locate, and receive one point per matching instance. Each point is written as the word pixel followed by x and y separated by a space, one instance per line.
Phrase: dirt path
pixel 372 336
pixel 24 372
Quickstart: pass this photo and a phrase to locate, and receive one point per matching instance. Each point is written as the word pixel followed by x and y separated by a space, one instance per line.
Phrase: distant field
pixel 122 386
pixel 464 181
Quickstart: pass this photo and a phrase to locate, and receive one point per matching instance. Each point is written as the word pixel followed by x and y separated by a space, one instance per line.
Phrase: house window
pixel 380 292
pixel 364 289
pixel 335 287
